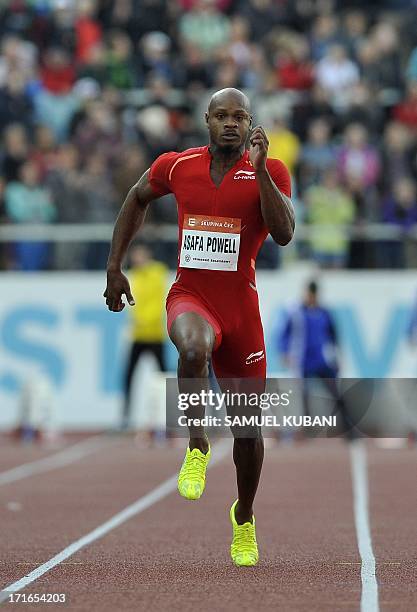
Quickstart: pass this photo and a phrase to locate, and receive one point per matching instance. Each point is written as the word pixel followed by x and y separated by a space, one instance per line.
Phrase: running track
pixel 170 554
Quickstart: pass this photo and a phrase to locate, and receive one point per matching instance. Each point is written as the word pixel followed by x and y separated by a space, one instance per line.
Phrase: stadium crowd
pixel 92 91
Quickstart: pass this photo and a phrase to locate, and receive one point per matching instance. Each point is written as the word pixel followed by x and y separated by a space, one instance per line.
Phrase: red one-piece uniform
pixel 221 230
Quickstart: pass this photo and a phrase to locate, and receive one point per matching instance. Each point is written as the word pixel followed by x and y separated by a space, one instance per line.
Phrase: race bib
pixel 210 243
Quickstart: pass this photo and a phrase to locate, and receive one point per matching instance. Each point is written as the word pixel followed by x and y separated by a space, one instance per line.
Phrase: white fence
pixel 57 323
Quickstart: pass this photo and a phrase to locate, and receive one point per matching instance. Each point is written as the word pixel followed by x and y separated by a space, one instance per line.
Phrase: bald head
pixel 228 120
pixel 224 97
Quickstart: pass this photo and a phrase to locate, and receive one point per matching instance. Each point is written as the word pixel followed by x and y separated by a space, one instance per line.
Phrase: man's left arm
pixel 276 207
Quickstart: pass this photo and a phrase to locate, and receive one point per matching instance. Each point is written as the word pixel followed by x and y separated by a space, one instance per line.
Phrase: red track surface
pixel 175 555
pixel 393 494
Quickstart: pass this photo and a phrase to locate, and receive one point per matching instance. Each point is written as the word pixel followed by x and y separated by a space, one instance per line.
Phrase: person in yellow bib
pixel 148 280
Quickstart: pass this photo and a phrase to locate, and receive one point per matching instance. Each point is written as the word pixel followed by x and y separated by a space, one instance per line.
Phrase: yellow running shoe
pixel 244 549
pixel 192 476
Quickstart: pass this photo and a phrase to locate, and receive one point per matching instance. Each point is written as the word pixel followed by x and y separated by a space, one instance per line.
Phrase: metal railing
pixel 102 232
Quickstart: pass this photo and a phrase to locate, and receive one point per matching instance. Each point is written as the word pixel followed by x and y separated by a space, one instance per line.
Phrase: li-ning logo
pixel 254 357
pixel 244 174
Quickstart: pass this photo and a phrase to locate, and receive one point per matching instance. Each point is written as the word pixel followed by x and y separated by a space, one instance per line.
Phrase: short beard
pixel 228 149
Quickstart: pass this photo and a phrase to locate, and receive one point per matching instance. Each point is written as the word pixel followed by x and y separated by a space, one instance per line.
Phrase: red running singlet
pixel 221 230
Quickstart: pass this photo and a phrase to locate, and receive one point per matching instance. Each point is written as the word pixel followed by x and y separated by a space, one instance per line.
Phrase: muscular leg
pixel 248 450
pixel 194 338
pixel 248 455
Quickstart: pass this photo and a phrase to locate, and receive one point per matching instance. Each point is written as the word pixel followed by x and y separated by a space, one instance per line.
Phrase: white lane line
pixel 369 595
pixel 143 503
pixel 65 457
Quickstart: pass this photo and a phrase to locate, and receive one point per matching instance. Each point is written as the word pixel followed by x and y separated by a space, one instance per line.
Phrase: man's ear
pixel 250 120
pixel 206 117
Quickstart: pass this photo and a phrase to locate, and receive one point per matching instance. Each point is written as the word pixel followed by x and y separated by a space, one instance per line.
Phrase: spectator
pixel 330 210
pixel 44 152
pixel 262 15
pixel 398 153
pixel 86 90
pixel 123 15
pixel 406 111
pixel 129 80
pixel 358 161
pixel 100 206
pixel 270 101
pixel 151 15
pixel 119 62
pixel 359 169
pixel 148 281
pixel 61 27
pixel 399 209
pixel 308 344
pixel 388 68
pixel 87 28
pixel 17 57
pixel 364 109
pixel 316 105
pixel 317 352
pixel 131 166
pixel 58 71
pixel 94 67
pixel 27 201
pixel 192 70
pixel 294 70
pixel 15 104
pixel 15 17
pixel 99 130
pixel 317 155
pixel 239 49
pixel 205 26
pixel 283 143
pixel 355 24
pixel 155 56
pixel 324 35
pixel 227 74
pixel 155 129
pixel 16 151
pixel 188 134
pixel 66 185
pixel 55 103
pixel 256 71
pixel 337 74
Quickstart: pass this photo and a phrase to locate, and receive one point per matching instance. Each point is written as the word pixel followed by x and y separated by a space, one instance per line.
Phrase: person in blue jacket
pixel 308 344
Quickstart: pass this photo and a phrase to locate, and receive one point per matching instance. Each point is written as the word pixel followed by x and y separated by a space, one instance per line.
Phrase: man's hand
pixel 117 285
pixel 258 150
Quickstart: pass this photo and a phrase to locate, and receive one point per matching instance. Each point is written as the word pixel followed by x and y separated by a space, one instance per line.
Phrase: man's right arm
pixel 130 219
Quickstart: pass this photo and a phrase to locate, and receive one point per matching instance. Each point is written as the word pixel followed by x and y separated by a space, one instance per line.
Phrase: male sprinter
pixel 230 196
